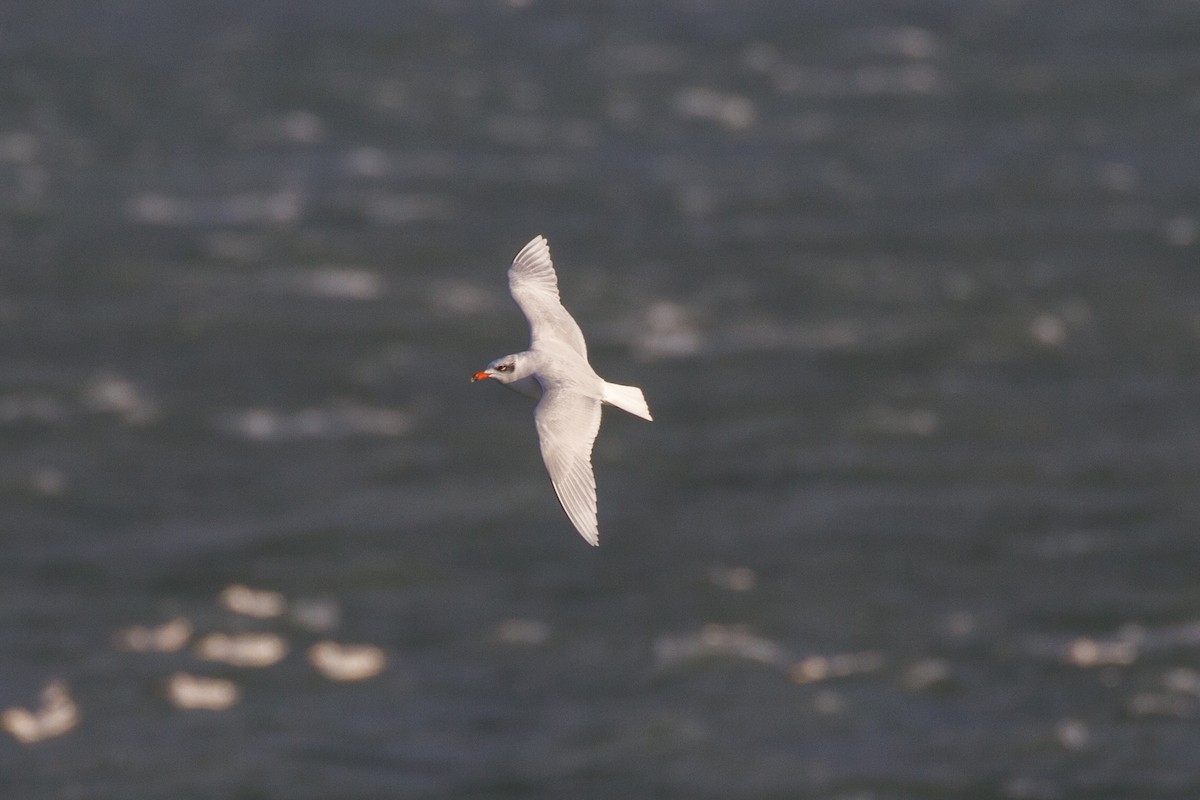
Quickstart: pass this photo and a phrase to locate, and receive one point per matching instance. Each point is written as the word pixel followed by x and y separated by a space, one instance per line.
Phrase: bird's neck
pixel 527 386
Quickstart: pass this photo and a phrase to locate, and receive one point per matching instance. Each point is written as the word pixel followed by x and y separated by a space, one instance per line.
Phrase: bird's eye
pixel 503 367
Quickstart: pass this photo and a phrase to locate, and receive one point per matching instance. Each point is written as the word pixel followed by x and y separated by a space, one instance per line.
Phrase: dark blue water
pixel 913 291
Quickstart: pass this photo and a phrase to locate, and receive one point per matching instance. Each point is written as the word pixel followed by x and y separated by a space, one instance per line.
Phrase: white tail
pixel 627 398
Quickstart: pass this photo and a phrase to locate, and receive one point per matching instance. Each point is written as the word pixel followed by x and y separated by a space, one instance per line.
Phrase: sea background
pixel 913 291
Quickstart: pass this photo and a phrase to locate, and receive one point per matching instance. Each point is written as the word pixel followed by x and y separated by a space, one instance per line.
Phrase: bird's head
pixel 505 369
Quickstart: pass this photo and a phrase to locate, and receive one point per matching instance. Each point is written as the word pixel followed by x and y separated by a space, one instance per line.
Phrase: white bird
pixel 555 372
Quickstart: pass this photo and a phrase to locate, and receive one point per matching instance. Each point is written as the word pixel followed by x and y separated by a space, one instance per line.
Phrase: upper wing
pixel 567 423
pixel 534 286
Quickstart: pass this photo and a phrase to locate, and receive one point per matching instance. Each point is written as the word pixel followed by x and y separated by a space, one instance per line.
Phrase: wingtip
pixel 538 242
pixel 588 529
pixel 533 255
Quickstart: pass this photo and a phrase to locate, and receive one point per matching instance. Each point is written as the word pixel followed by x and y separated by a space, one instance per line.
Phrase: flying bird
pixel 555 372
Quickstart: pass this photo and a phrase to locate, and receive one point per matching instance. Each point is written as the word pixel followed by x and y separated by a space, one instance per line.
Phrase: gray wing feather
pixel 534 285
pixel 567 424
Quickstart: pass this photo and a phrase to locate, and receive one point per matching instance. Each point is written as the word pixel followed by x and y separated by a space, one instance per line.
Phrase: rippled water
pixel 913 293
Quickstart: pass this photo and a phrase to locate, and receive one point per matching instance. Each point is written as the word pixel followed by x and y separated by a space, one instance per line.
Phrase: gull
pixel 555 372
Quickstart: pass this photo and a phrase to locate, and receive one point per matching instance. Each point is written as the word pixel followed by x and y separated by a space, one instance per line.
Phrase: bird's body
pixel 555 371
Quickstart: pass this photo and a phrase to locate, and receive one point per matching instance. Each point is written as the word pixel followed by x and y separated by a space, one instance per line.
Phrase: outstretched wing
pixel 534 285
pixel 567 423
